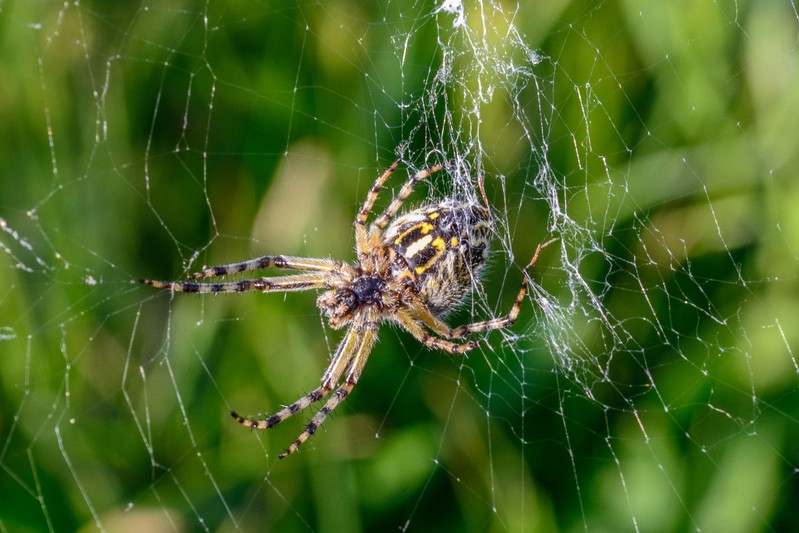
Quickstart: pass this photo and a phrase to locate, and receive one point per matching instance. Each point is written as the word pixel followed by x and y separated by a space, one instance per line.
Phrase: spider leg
pixel 420 312
pixel 361 235
pixel 337 397
pixel 406 190
pixel 406 319
pixel 373 192
pixel 298 282
pixel 267 261
pixel 278 417
pixel 332 375
pixel 367 330
pixel 494 323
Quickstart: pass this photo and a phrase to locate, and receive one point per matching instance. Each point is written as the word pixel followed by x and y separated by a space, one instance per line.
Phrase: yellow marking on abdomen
pixel 423 227
pixel 440 246
pixel 418 246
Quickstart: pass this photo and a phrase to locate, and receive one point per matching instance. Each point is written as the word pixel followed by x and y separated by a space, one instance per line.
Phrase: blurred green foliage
pixel 142 140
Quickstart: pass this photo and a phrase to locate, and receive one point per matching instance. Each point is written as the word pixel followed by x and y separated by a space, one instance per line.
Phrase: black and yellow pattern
pixel 444 247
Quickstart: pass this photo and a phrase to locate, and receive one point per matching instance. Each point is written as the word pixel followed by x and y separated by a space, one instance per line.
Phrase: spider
pixel 411 270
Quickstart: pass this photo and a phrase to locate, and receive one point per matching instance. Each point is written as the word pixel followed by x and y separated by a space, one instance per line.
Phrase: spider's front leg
pixel 315 274
pixel 298 282
pixel 331 376
pixel 287 262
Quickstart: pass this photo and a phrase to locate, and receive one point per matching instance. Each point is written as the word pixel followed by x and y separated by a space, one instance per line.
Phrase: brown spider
pixel 412 272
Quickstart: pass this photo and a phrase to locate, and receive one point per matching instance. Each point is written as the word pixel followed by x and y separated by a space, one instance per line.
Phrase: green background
pixel 145 140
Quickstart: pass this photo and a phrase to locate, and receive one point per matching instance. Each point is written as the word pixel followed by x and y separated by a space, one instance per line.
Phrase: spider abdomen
pixel 444 246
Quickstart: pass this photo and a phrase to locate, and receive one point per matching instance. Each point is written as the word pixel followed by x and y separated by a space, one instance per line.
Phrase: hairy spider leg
pixel 369 202
pixel 298 282
pixel 349 357
pixel 367 327
pixel 396 203
pixel 361 235
pixel 268 261
pixel 335 399
pixel 509 319
pixel 408 321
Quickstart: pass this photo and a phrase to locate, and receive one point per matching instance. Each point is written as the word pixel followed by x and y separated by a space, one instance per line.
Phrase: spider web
pixel 650 383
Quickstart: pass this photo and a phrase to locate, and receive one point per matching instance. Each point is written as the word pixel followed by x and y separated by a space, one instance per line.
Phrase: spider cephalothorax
pixel 340 304
pixel 411 270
